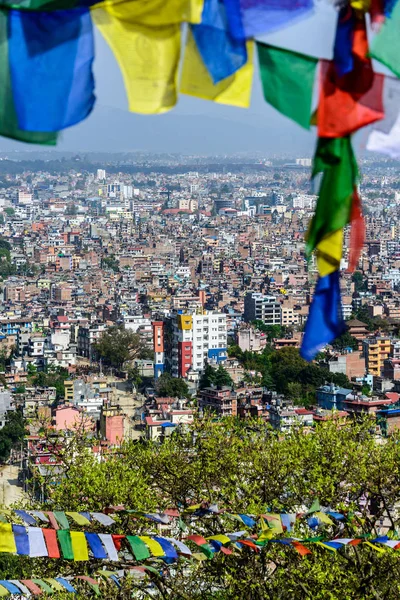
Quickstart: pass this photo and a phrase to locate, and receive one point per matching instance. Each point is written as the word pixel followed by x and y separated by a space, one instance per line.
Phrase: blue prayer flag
pixel 248 521
pixel 248 18
pixel 51 56
pixel 21 539
pixel 26 517
pixel 170 553
pixel 325 319
pixel 10 587
pixel 66 584
pixel 220 52
pixel 95 545
pixel 343 47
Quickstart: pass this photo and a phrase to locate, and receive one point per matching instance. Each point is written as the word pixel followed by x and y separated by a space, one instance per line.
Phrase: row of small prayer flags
pixel 220 543
pixel 50 585
pixel 57 519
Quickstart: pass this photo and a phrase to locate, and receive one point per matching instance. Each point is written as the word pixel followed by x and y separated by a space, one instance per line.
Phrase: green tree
pixel 345 341
pixel 9 211
pixel 172 387
pixel 110 262
pixel 218 377
pixel 118 345
pixel 358 279
pixel 12 434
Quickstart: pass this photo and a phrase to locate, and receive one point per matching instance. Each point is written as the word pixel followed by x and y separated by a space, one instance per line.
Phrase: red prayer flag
pixel 50 537
pixel 349 102
pixel 301 549
pixel 53 520
pixel 31 585
pixel 249 544
pixel 225 550
pixel 197 539
pixel 355 542
pixel 117 539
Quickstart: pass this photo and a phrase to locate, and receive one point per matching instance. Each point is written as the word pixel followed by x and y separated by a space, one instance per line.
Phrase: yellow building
pixel 69 390
pixel 376 351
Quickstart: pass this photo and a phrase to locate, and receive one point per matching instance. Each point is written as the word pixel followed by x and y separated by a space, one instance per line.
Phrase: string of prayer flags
pixel 51 56
pixel 220 52
pixel 325 319
pixel 286 75
pixel 196 80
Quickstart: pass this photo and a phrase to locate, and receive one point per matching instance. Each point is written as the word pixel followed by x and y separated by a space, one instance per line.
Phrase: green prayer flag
pixel 206 549
pixel 288 80
pixel 139 548
pixel 315 507
pixel 385 46
pixel 61 518
pixel 8 116
pixel 64 538
pixel 45 586
pixel 334 157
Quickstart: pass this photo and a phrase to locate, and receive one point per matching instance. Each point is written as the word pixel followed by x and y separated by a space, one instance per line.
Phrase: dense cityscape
pixel 136 302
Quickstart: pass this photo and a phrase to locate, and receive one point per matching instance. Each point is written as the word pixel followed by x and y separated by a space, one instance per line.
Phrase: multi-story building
pixel 259 307
pixel 220 401
pixel 189 340
pixel 376 351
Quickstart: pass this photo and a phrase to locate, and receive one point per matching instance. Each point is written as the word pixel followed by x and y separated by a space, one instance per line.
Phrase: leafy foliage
pixel 172 387
pixel 51 377
pixel 345 341
pixel 341 464
pixel 12 434
pixel 118 345
pixel 218 377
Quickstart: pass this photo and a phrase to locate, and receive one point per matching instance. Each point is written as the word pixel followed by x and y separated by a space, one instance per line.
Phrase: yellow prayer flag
pixel 154 547
pixel 329 253
pixel 324 518
pixel 4 591
pixel 79 519
pixel 199 556
pixel 148 58
pixel 325 546
pixel 196 80
pixel 79 545
pixel 220 538
pixel 361 6
pixel 155 13
pixel 377 548
pixel 54 584
pixel 7 541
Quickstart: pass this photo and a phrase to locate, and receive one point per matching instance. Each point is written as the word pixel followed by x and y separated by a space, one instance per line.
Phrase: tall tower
pixel 158 347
